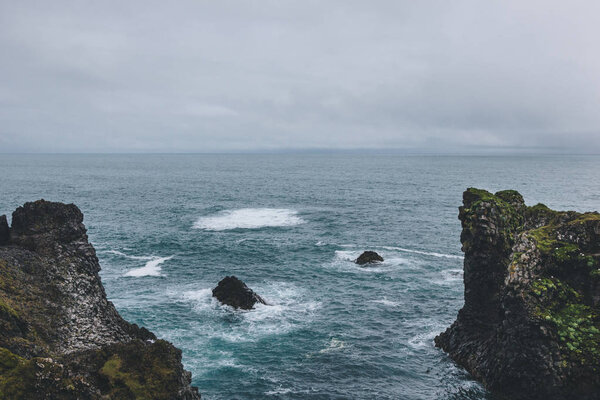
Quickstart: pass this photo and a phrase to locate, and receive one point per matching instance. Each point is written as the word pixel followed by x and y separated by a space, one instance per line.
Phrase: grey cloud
pixel 208 76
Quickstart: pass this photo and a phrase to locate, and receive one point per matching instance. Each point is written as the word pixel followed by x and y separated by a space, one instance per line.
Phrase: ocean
pixel 167 228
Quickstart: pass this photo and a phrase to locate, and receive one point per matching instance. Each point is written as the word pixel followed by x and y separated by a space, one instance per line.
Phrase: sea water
pixel 167 228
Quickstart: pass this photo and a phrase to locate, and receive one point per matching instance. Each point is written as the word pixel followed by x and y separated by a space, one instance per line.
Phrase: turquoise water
pixel 167 228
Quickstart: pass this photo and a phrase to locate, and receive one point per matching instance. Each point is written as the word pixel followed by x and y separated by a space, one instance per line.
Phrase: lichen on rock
pixel 530 326
pixel 60 338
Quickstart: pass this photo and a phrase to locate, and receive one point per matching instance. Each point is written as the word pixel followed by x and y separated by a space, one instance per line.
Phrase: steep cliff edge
pixel 530 326
pixel 60 338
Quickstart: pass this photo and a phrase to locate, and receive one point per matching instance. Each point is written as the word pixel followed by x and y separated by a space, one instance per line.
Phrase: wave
pixel 152 268
pixel 249 218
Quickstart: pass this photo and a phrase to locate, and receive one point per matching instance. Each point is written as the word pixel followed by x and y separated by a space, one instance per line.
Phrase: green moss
pixel 575 323
pixel 8 360
pixel 17 376
pixel 510 196
pixel 586 217
pixel 142 371
pixel 545 238
pixel 124 382
pixel 7 310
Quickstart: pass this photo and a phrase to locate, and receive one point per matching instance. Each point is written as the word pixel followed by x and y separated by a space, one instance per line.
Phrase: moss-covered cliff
pixel 530 326
pixel 60 338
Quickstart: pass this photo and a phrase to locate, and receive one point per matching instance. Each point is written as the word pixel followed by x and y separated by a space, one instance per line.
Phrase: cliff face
pixel 530 326
pixel 60 338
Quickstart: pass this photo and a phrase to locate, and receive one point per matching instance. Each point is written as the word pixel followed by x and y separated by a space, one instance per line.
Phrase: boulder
pixel 368 257
pixel 233 292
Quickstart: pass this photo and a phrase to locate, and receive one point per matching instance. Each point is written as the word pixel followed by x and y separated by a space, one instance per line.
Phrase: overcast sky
pixel 215 76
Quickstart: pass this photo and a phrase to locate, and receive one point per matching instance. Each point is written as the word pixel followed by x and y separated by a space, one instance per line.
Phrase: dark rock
pixel 60 338
pixel 41 225
pixel 530 326
pixel 4 230
pixel 233 292
pixel 368 257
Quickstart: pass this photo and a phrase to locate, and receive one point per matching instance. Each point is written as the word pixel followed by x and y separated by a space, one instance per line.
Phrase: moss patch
pixel 142 371
pixel 575 323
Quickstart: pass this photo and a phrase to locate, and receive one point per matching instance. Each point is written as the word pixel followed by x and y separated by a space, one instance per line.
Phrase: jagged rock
pixel 4 230
pixel 530 326
pixel 60 338
pixel 233 292
pixel 368 257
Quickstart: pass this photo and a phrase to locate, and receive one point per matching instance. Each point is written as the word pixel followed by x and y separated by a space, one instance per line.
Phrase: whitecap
pixel 248 218
pixel 333 345
pixel 152 268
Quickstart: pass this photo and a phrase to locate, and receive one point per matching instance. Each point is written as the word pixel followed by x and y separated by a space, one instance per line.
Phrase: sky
pixel 251 76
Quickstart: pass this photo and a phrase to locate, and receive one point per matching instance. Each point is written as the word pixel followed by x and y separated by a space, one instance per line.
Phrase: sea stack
pixel 233 292
pixel 60 338
pixel 530 326
pixel 368 257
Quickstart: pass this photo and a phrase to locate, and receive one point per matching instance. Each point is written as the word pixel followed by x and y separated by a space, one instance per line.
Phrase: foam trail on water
pixel 425 253
pixel 118 253
pixel 152 268
pixel 248 218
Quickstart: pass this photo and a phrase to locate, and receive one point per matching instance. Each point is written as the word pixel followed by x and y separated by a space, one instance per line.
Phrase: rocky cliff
pixel 60 338
pixel 530 326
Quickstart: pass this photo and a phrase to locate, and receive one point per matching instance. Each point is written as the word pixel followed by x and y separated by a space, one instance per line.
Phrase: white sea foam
pixel 386 302
pixel 119 253
pixel 279 390
pixel 333 345
pixel 429 330
pixel 248 218
pixel 425 253
pixel 152 268
pixel 452 275
pixel 405 250
pixel 288 309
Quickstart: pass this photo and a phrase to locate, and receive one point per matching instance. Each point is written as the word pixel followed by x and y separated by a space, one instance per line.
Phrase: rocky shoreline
pixel 60 338
pixel 530 326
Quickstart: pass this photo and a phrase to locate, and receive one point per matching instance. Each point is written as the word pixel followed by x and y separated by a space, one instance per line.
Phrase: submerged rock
pixel 530 326
pixel 368 257
pixel 60 338
pixel 233 292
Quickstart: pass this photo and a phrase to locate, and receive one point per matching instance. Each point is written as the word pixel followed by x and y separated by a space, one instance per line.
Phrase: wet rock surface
pixel 233 292
pixel 530 326
pixel 368 257
pixel 60 338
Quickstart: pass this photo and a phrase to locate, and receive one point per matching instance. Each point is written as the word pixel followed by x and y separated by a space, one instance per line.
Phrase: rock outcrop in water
pixel 530 326
pixel 233 292
pixel 368 257
pixel 60 338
